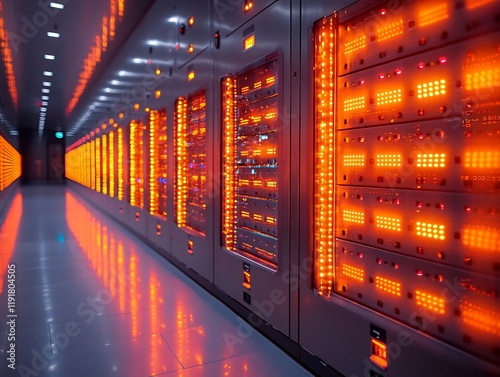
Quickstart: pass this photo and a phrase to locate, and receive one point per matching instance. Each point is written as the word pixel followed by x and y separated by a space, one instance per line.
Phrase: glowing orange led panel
pixel 481 238
pixel 488 78
pixel 180 146
pixel 353 272
pixel 354 104
pixel 379 354
pixel 249 42
pixel 480 318
pixel 389 31
pixel 136 178
pixel 5 42
pixel 431 89
pixel 429 230
pixel 388 286
pixel 353 216
pixel 389 223
pixel 354 160
pixel 112 174
pixel 430 302
pixel 98 166
pixel 354 45
pixel 389 97
pixel 104 164
pixel 119 157
pixel 388 160
pixel 436 160
pixel 482 159
pixel 430 15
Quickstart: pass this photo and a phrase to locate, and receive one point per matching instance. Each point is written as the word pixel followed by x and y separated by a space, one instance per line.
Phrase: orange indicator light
pixel 249 42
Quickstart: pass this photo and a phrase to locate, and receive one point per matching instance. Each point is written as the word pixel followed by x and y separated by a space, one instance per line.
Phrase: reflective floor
pixel 92 300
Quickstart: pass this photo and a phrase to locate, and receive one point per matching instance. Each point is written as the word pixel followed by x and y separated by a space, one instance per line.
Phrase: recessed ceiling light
pixel 45 103
pixel 43 109
pixel 53 34
pixel 48 73
pixel 45 98
pixel 46 83
pixel 47 91
pixel 57 5
pixel 139 61
pixel 107 90
pixel 49 57
pixel 173 19
pixel 115 82
pixel 122 73
pixel 103 98
pixel 153 42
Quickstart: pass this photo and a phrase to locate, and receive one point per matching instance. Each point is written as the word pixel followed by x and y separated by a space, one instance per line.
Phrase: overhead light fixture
pixel 122 73
pixel 53 34
pixel 173 19
pixel 139 61
pixel 49 57
pixel 46 83
pixel 153 42
pixel 45 98
pixel 45 103
pixel 47 91
pixel 103 98
pixel 43 109
pixel 115 82
pixel 48 73
pixel 57 5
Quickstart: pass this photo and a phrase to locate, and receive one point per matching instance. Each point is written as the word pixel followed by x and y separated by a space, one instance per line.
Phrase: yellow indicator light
pixel 430 15
pixel 354 160
pixel 429 230
pixel 190 75
pixel 436 160
pixel 353 272
pixel 92 165
pixel 388 286
pixel 353 216
pixel 158 72
pixel 379 354
pixel 480 318
pixel 137 107
pixel 191 48
pixel 248 5
pixel 181 161
pixel 482 238
pixel 431 89
pixel 354 104
pixel 488 78
pixel 428 301
pixel 389 97
pixel 389 223
pixel 389 160
pixel 136 164
pixel 389 31
pixel 482 159
pixel 249 42
pixel 121 115
pixel 270 80
pixel 354 45
pixel 472 4
pixel 191 21
pixel 158 94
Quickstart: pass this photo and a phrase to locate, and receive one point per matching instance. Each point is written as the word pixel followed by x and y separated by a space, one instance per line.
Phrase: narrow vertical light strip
pixel 92 165
pixel 181 161
pixel 98 166
pixel 153 183
pixel 324 151
pixel 119 156
pixel 105 164
pixel 133 163
pixel 229 160
pixel 112 176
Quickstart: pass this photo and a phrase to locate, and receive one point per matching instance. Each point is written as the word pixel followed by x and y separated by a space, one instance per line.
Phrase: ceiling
pixel 105 50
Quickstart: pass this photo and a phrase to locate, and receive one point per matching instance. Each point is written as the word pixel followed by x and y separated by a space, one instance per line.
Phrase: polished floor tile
pixel 94 301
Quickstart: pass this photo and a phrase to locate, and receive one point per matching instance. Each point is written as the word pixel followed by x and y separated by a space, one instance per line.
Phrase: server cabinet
pixel 191 135
pixel 404 187
pixel 252 71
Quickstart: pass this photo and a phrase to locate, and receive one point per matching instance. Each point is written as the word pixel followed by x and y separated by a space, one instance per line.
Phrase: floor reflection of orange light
pixel 105 257
pixel 121 277
pixel 8 235
pixel 154 359
pixel 133 292
pixel 112 264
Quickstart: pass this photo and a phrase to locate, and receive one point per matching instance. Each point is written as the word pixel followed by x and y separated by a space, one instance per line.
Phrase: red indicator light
pixel 361 82
pixel 379 354
pixel 398 71
pixel 381 77
pixel 468 209
pixel 420 273
pixel 421 65
pixel 419 204
pixel 441 206
pixel 420 135
pixel 383 12
pixel 379 261
pixel 442 60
